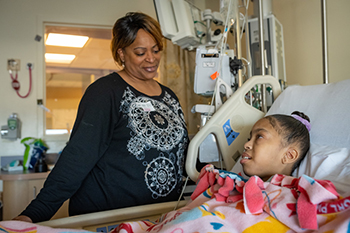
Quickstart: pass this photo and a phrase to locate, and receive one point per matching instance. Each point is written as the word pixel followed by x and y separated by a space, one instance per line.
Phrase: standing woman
pixel 129 140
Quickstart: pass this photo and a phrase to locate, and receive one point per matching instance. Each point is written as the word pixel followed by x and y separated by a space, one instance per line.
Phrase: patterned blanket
pixel 226 202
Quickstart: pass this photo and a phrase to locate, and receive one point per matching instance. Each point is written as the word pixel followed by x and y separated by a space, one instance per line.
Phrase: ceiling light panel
pixel 65 40
pixel 59 58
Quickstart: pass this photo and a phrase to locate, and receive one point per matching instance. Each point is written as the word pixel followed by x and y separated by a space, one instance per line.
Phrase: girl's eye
pixel 156 51
pixel 259 136
pixel 140 54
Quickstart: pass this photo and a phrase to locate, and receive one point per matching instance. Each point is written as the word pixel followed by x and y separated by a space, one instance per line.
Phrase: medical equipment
pixel 207 63
pixel 220 70
pixel 274 47
pixel 182 23
pixel 12 130
pixel 13 66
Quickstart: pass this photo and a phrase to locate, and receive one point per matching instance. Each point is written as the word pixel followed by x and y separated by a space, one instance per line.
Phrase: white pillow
pixel 323 163
pixel 327 163
pixel 328 107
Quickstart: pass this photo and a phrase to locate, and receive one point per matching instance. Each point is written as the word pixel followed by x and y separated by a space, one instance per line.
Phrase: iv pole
pixel 324 41
pixel 262 53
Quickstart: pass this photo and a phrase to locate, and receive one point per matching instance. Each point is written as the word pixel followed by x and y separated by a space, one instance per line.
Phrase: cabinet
pixel 19 189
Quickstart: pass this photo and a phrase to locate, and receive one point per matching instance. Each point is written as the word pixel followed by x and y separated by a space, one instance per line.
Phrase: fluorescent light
pixel 59 58
pixel 65 40
pixel 56 131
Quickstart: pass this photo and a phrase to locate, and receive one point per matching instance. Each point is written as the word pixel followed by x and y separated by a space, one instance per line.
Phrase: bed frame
pixel 110 218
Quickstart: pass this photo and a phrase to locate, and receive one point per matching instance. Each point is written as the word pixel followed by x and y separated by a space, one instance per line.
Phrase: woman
pixel 129 139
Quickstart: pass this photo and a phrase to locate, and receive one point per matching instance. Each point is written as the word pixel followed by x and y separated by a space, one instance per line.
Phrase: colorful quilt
pixel 226 202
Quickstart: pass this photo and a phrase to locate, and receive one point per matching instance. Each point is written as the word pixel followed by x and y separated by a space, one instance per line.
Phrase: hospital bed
pixel 328 107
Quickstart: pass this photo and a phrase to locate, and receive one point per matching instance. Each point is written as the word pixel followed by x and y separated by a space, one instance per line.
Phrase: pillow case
pixel 328 107
pixel 327 163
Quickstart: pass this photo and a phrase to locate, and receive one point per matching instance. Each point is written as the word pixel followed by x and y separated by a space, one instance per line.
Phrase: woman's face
pixel 264 152
pixel 142 57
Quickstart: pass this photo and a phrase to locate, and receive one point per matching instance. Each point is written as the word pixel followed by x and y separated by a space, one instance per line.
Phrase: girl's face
pixel 142 57
pixel 264 154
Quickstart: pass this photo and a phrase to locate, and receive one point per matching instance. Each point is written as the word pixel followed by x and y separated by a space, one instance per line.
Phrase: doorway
pixel 67 80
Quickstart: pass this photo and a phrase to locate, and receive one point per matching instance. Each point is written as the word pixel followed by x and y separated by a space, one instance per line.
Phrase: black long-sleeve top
pixel 126 149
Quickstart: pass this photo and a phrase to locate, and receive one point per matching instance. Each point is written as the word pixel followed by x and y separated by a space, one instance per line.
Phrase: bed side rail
pixel 114 216
pixel 230 125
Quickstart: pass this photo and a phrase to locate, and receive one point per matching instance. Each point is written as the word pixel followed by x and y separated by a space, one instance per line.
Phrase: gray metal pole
pixel 262 54
pixel 324 41
pixel 261 37
pixel 238 46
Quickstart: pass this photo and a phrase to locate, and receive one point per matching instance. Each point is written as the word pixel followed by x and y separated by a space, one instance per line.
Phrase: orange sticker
pixel 214 76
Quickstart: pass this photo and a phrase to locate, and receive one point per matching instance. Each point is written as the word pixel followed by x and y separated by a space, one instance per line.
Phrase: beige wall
pixel 302 25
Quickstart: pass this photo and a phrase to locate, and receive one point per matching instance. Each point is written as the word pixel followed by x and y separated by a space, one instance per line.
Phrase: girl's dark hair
pixel 125 30
pixel 292 131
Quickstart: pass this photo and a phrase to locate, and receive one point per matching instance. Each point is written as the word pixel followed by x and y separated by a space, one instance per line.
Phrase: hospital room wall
pixel 302 27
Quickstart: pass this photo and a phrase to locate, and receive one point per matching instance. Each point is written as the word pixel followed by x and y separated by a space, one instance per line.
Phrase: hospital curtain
pixel 177 72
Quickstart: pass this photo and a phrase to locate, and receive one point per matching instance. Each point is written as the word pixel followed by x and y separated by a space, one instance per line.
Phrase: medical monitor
pixel 179 21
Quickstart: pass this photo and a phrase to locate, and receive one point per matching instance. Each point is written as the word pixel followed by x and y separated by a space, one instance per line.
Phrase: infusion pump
pixel 210 64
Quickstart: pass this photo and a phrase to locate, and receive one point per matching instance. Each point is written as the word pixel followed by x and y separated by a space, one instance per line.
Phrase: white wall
pixel 20 22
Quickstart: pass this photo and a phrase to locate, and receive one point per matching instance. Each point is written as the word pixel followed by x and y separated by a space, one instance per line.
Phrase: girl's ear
pixel 290 156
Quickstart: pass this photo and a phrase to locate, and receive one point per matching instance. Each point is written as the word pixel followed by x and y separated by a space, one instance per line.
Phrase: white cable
pixel 45 108
pixel 224 41
pixel 245 18
pixel 182 192
pixel 248 63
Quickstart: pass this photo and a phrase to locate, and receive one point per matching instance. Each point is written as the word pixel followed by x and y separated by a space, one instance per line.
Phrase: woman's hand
pixel 23 218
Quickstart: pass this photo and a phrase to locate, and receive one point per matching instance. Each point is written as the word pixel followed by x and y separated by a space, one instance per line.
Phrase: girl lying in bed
pixel 270 200
pixel 277 145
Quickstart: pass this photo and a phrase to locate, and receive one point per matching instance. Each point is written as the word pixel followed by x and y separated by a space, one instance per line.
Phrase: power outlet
pixel 13 64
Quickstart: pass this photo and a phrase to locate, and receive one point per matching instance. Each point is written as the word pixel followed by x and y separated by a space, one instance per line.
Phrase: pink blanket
pixel 225 202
